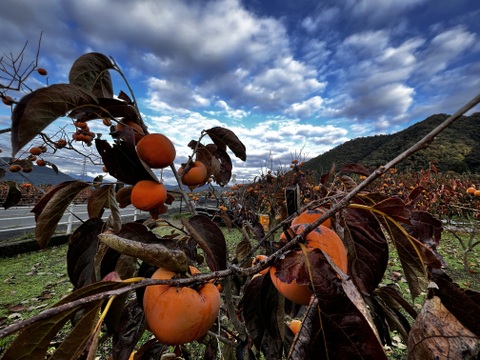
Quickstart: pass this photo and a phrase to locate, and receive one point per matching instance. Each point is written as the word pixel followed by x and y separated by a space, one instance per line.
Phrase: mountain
pixel 41 175
pixel 456 149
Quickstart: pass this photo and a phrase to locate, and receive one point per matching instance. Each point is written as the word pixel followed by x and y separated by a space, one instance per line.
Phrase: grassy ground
pixel 33 281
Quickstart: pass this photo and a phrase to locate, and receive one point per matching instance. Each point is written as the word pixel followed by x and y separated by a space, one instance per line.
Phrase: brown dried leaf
pixel 154 254
pixel 437 334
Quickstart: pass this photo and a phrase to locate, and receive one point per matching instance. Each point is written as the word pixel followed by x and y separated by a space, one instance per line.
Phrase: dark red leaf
pixel 98 201
pixel 38 109
pixel 223 172
pixel 90 71
pixel 425 227
pixel 13 196
pixel 367 249
pixel 395 208
pixel 210 239
pixel 74 344
pixel 221 137
pixel 129 331
pixel 82 248
pixel 356 169
pixel 34 341
pixel 343 332
pixel 49 210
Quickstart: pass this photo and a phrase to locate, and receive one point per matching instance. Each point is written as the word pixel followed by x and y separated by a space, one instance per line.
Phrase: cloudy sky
pixel 288 77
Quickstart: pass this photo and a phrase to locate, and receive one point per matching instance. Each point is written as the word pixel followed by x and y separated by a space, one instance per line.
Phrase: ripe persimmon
pixel 257 259
pixel 81 124
pixel 156 150
pixel 8 100
pixel 476 193
pixel 35 150
pixel 137 129
pixel 471 190
pixel 309 216
pixel 196 174
pixel 61 143
pixel 41 162
pixel 148 195
pixel 180 314
pixel 319 238
pixel 42 71
pixel 14 168
pixel 107 122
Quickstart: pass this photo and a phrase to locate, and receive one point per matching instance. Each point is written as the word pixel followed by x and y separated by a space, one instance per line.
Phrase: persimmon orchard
pixel 136 287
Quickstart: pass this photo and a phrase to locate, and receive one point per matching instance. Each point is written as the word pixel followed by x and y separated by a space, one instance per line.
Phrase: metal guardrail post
pixel 70 219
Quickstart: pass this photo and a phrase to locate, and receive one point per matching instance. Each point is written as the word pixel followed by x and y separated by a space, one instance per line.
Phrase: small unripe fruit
pixel 295 326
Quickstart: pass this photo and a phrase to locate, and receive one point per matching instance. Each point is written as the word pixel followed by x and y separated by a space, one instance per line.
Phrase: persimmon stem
pixel 185 197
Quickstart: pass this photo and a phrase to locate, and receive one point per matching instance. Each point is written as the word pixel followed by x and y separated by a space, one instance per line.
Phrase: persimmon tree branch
pixel 421 144
pixel 14 74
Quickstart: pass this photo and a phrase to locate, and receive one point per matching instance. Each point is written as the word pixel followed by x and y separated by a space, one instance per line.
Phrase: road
pixel 19 221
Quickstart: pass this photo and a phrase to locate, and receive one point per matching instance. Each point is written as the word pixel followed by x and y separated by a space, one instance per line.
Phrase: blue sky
pixel 287 77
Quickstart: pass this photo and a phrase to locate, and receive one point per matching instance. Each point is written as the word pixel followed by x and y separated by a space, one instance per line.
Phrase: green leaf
pixel 90 71
pixel 51 207
pixel 35 111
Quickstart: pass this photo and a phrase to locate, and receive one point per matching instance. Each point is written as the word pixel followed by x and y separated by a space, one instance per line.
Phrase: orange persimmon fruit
pixel 148 195
pixel 196 174
pixel 42 71
pixel 156 150
pixel 35 150
pixel 319 238
pixel 309 216
pixel 180 314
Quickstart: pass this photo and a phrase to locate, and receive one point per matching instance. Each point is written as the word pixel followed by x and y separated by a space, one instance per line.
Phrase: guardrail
pixel 73 218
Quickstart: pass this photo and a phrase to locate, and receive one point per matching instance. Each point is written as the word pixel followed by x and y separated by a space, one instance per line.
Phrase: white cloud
pixel 305 109
pixel 443 49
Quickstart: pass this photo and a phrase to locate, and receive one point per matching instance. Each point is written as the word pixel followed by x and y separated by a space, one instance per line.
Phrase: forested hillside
pixel 455 149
